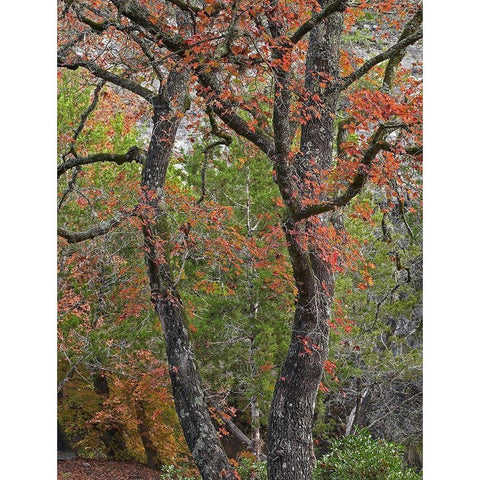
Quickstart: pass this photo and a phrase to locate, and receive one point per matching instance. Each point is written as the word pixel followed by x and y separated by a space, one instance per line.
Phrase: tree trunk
pixel 113 436
pixel 63 444
pixel 153 458
pixel 190 404
pixel 357 415
pixel 256 437
pixel 290 444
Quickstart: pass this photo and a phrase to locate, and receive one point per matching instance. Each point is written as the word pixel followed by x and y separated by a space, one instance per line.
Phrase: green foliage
pixel 171 472
pixel 381 351
pixel 360 457
pixel 249 470
pixel 74 95
pixel 238 303
pixel 353 457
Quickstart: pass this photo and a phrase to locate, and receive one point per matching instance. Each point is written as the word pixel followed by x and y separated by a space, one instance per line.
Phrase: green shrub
pixel 249 470
pixel 171 472
pixel 354 457
pixel 360 457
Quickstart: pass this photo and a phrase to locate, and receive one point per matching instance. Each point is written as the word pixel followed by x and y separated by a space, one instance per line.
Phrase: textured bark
pixel 190 403
pixel 98 230
pixel 290 443
pixel 134 154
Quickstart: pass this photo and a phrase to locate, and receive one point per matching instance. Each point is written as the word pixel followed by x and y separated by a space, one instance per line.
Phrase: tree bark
pixel 190 404
pixel 290 444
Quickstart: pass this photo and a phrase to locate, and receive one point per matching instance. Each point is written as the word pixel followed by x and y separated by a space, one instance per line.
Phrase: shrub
pixel 360 457
pixel 171 472
pixel 249 470
pixel 354 457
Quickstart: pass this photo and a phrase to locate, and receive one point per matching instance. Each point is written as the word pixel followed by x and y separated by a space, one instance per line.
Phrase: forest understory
pixel 240 265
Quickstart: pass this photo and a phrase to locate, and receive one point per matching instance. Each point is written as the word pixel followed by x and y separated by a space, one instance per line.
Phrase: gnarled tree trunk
pixel 190 403
pixel 290 443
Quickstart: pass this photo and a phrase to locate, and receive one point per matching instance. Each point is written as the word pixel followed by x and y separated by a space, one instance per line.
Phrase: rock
pixel 65 455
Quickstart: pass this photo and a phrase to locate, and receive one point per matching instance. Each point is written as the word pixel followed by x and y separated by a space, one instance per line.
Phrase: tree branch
pixel 86 114
pixel 69 375
pixel 134 154
pixel 232 427
pixel 69 188
pixel 95 26
pixel 101 229
pixel 186 6
pixel 336 6
pixel 342 135
pixel 412 25
pixel 62 50
pixel 216 130
pixel 141 16
pixel 377 144
pixel 150 56
pixel 345 82
pixel 407 400
pixel 225 111
pixel 109 77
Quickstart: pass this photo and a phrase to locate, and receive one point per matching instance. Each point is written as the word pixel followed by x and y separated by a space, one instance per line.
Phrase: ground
pixel 86 469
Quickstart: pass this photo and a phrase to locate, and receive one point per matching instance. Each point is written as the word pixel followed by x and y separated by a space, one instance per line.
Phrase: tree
pixel 332 123
pixel 378 356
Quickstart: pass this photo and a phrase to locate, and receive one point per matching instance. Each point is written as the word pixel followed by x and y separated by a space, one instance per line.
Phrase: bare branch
pixel 134 154
pixel 407 400
pixel 146 51
pixel 232 427
pixel 68 4
pixel 109 77
pixel 345 82
pixel 68 375
pixel 62 50
pixel 101 229
pixel 69 189
pixel 186 6
pixel 412 25
pixel 86 114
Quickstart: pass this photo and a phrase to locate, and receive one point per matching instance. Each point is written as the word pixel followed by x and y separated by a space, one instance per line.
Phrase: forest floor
pixel 87 469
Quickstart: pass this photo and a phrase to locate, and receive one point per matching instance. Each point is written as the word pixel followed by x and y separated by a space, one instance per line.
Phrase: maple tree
pixel 109 359
pixel 278 75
